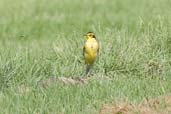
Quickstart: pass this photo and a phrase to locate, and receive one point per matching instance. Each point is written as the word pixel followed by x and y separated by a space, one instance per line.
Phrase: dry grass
pixel 159 105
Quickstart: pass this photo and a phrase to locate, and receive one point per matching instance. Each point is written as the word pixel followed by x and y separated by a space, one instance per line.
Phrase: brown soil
pixel 70 80
pixel 158 105
pixel 64 80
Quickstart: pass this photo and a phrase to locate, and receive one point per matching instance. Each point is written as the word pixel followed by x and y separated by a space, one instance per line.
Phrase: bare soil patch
pixel 64 80
pixel 158 105
pixel 71 80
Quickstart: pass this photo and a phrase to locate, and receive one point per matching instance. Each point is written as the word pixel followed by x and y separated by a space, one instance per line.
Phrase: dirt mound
pixel 64 80
pixel 159 105
pixel 71 80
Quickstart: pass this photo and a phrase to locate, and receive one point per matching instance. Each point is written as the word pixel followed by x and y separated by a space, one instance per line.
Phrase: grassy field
pixel 41 39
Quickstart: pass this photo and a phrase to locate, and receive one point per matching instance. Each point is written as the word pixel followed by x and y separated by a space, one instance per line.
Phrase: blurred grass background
pixel 41 39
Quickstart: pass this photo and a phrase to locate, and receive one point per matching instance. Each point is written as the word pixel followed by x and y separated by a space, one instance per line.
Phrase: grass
pixel 41 39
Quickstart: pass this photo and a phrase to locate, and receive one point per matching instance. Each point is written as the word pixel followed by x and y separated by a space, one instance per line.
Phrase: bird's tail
pixel 88 69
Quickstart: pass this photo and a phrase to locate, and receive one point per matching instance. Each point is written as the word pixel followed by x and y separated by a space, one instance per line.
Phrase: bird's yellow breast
pixel 91 50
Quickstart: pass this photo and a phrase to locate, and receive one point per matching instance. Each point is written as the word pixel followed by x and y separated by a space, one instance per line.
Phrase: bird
pixel 90 51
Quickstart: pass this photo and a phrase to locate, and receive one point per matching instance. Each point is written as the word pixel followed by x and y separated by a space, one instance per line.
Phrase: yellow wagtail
pixel 90 51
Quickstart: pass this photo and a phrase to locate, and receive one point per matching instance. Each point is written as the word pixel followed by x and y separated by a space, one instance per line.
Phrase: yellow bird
pixel 90 51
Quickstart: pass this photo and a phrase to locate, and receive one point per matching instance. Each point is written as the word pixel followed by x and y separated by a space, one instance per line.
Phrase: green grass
pixel 41 39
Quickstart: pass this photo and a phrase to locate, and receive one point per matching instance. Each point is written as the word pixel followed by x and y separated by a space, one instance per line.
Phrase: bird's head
pixel 90 35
